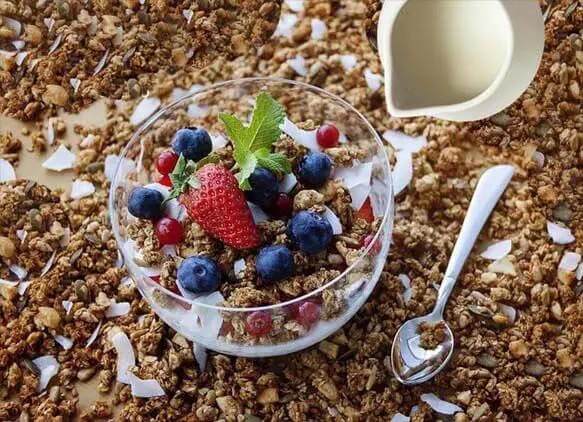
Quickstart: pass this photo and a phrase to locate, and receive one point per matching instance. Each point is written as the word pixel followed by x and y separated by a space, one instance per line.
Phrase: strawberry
pixel 214 200
pixel 365 212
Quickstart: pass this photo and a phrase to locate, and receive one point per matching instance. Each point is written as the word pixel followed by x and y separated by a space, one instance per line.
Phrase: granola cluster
pixel 521 365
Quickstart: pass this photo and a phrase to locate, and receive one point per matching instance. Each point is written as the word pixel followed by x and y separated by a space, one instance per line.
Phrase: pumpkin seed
pixel 487 360
pixel 29 185
pixel 31 366
pixel 35 219
pixel 571 9
pixel 94 167
pixel 92 238
pixel 534 368
pixel 134 88
pixel 501 119
pixel 82 291
pixel 85 374
pixel 542 129
pixel 576 380
pixel 128 55
pixel 480 311
pixel 563 213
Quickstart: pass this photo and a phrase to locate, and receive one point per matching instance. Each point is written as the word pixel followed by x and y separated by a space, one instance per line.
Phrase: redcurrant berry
pixel 166 162
pixel 283 205
pixel 165 180
pixel 308 313
pixel 327 136
pixel 258 324
pixel 169 231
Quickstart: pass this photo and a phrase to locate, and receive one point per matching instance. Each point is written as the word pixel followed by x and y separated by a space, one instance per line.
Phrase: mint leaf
pixel 276 162
pixel 264 129
pixel 246 167
pixel 236 131
pixel 180 177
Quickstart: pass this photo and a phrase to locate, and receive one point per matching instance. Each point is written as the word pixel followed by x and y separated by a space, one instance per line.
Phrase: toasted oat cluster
pixel 517 320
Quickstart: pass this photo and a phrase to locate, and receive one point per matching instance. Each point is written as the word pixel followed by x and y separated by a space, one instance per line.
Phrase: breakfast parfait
pixel 249 223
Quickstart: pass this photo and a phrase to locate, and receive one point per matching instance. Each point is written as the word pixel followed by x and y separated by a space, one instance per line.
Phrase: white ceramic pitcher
pixel 458 60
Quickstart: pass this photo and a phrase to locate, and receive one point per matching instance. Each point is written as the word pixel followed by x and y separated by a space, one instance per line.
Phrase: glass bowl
pixel 203 319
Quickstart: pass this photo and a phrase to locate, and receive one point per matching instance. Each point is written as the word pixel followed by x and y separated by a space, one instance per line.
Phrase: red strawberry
pixel 365 212
pixel 220 207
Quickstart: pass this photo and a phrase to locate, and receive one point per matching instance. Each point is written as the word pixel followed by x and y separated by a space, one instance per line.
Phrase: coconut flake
pixel 49 23
pixel 8 283
pixel 200 354
pixel 67 306
pixel 87 141
pixel 569 261
pixel 439 405
pixel 23 286
pixel 81 189
pixel 560 235
pixel 21 234
pixel 502 266
pixel 579 272
pixel 288 182
pixel 497 250
pixel 356 175
pixel 64 241
pixel 257 212
pixel 18 271
pixel 285 27
pixel 144 110
pixel 20 57
pixel 49 367
pixel 298 64
pixel 348 61
pixel 239 266
pixel 93 335
pixel 333 220
pixel 62 159
pixel 12 24
pixel 373 80
pixel 145 388
pixel 403 142
pixel 7 53
pixel 405 280
pixel 306 138
pixel 127 281
pixel 18 44
pixel 55 44
pixel 295 5
pixel 75 255
pixel 75 83
pixel 111 163
pixel 117 309
pixel 403 171
pixel 219 141
pixel 65 342
pixel 508 310
pixel 197 111
pixel 188 14
pixel 358 195
pixel 539 158
pixel 319 29
pixel 169 250
pixel 119 260
pixel 101 63
pixel 50 131
pixel 7 172
pixel 49 264
pixel 399 417
pixel 125 356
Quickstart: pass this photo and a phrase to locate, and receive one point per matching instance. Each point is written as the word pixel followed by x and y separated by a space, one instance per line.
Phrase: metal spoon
pixel 412 364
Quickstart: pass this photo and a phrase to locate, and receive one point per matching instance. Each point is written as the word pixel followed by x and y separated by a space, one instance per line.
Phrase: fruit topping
pixel 199 274
pixel 146 204
pixel 193 143
pixel 165 180
pixel 264 187
pixel 258 324
pixel 314 169
pixel 169 231
pixel 310 231
pixel 274 263
pixel 366 241
pixel 327 136
pixel 365 212
pixel 166 162
pixel 308 314
pixel 283 205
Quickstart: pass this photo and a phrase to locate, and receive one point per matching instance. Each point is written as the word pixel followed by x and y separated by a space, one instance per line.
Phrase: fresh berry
pixel 166 162
pixel 169 231
pixel 258 324
pixel 365 212
pixel 199 274
pixel 310 231
pixel 194 143
pixel 283 205
pixel 327 136
pixel 314 169
pixel 274 263
pixel 308 313
pixel 366 241
pixel 146 204
pixel 220 207
pixel 264 186
pixel 165 180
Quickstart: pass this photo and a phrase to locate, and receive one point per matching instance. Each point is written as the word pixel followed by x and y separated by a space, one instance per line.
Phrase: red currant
pixel 283 205
pixel 327 136
pixel 258 324
pixel 308 313
pixel 166 162
pixel 365 212
pixel 169 231
pixel 165 180
pixel 366 241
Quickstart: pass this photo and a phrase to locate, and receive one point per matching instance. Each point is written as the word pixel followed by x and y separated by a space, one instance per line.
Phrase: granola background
pixel 527 370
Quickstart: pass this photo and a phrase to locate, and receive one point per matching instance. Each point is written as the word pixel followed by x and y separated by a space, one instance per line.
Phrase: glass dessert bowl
pixel 254 215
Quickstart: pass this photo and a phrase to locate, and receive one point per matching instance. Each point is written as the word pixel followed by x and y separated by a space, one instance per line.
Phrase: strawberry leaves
pixel 182 177
pixel 253 143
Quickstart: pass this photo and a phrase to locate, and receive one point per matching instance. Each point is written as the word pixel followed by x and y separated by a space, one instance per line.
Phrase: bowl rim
pixel 260 79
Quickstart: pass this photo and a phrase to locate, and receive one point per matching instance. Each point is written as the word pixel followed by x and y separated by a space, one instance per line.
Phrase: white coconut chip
pixel 439 405
pixel 319 29
pixel 19 44
pixel 197 111
pixel 332 411
pixel 87 141
pixel 295 5
pixel 502 266
pixel 373 80
pixel 355 175
pixel 66 238
pixel 348 61
pixel 55 44
pixel 20 57
pixel 333 220
pixel 67 306
pixel 49 367
pixel 405 280
pixel 298 64
pixel 579 272
pixel 23 286
pixel 81 189
pixel 93 335
pixel 569 261
pixel 101 63
pixel 75 83
pixel 33 64
pixel 111 163
pixel 239 266
pixel 118 39
pixel 403 142
pixel 7 172
pixel 539 158
pixel 144 110
pixel 145 388
pixel 402 171
pixel 399 417
pixel 358 195
pixel 119 260
pixel 8 283
pixel 136 256
pixel 508 310
pixel 306 138
pixel 210 319
pixel 65 342
pixel 18 271
pixel 117 309
pixel 126 281
pixel 49 264
pixel 169 250
pixel 21 234
pixel 285 27
pixel 61 159
pixel 560 235
pixel 188 14
pixel 50 131
pixel 49 23
pixel 497 250
pixel 12 24
pixel 7 53
pixel 288 182
pixel 75 255
pixel 258 214
pixel 200 354
pixel 125 356
pixel 219 141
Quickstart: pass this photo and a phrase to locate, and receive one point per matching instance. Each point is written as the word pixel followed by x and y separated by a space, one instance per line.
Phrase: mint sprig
pixel 182 177
pixel 252 144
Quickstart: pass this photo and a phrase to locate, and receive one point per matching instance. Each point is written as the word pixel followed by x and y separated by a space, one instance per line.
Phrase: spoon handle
pixel 488 191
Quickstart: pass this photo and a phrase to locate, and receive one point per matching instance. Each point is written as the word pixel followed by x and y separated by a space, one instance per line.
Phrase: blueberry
pixel 310 231
pixel 146 203
pixel 314 169
pixel 199 274
pixel 264 187
pixel 274 263
pixel 194 143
